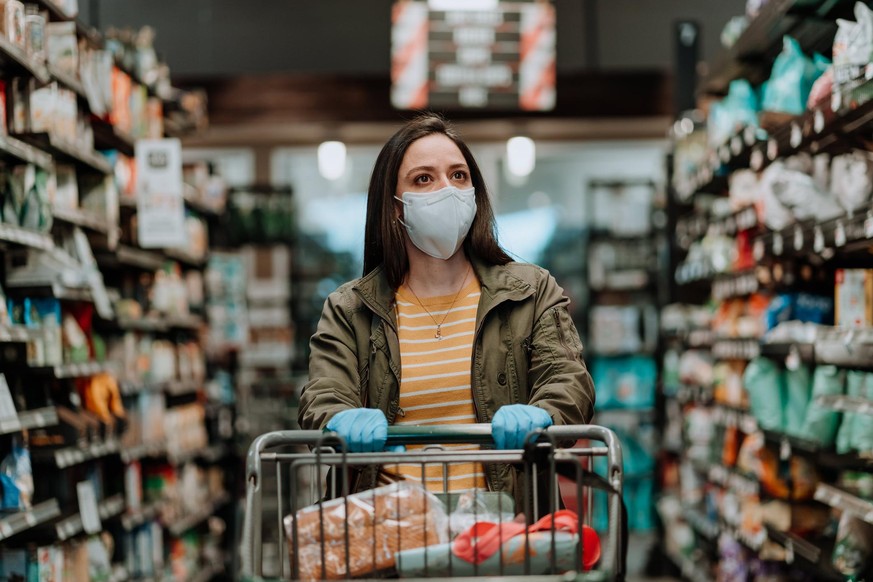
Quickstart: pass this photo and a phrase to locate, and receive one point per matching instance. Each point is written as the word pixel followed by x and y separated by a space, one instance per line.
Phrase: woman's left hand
pixel 512 423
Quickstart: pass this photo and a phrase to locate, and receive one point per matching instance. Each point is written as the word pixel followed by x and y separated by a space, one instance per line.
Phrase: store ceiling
pixel 274 66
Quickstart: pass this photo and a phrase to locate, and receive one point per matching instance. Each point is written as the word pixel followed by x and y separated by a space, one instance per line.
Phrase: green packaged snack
pixel 766 388
pixel 821 424
pixel 798 389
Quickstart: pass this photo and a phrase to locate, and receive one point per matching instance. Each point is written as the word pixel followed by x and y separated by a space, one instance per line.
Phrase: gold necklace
pixel 439 334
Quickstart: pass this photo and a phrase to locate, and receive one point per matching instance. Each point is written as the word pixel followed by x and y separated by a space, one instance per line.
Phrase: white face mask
pixel 438 222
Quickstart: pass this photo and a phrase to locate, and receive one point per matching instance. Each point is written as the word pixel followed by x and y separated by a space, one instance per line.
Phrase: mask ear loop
pixel 398 219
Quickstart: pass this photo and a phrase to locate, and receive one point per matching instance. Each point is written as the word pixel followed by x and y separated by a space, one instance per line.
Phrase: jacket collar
pixel 499 283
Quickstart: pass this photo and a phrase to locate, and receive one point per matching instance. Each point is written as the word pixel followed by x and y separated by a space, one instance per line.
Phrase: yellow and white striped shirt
pixel 435 381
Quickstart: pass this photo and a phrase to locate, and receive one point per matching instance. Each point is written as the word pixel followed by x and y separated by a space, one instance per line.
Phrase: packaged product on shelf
pixel 154 118
pixel 744 190
pixel 791 79
pixel 12 20
pixel 853 47
pixel 34 33
pixel 737 110
pixel 67 192
pixel 121 90
pixel 102 397
pixel 268 272
pixel 854 298
pixel 401 516
pixel 802 520
pixel 624 382
pixel 16 478
pixel 821 424
pixel 798 392
pixel 766 388
pixel 853 551
pixel 852 179
pixel 18 96
pixel 727 383
pixel 62 47
pixel 41 107
pixel 856 430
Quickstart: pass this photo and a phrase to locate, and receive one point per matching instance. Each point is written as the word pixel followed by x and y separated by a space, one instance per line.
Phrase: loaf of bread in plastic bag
pixel 381 522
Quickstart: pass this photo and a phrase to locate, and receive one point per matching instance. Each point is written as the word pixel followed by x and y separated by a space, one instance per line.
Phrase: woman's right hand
pixel 364 430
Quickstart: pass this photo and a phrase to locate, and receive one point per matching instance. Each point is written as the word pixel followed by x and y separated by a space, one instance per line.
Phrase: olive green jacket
pixel 525 350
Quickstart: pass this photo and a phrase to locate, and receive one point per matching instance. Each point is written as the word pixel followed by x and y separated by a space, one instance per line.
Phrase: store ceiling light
pixel 332 159
pixel 444 5
pixel 521 155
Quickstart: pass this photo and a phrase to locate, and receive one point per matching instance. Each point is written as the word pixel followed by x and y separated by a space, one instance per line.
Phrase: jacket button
pixel 501 378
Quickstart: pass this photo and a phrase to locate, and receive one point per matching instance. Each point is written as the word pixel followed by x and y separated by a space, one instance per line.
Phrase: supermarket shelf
pixel 185 258
pixel 839 499
pixel 133 257
pixel 69 456
pixel 15 523
pixel 81 218
pixel 189 322
pixel 80 370
pixel 688 393
pixel 210 454
pixel 752 55
pixel 30 419
pixel 734 418
pixel 14 59
pixel 733 480
pixel 847 348
pixel 141 451
pixel 735 285
pixel 736 349
pixel 131 388
pixel 107 509
pixel 698 338
pixel 182 525
pixel 695 226
pixel 134 519
pixel 688 272
pixel 844 403
pixel 26 237
pixel 823 456
pixel 14 334
pixel 57 14
pixel 180 387
pixel 89 160
pixel 109 137
pixel 802 351
pixel 15 148
pixel 67 80
pixel 36 288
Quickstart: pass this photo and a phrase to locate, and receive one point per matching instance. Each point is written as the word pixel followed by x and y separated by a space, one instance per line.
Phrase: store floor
pixel 639 549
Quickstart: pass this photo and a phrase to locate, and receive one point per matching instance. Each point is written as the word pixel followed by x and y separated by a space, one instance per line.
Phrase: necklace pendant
pixel 439 334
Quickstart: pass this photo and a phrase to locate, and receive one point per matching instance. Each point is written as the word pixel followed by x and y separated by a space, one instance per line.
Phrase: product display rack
pixel 100 458
pixel 801 257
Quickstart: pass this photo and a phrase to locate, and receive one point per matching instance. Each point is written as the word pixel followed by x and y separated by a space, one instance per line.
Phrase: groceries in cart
pixel 403 529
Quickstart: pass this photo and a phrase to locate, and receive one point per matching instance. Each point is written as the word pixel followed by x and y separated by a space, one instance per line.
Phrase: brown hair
pixel 383 235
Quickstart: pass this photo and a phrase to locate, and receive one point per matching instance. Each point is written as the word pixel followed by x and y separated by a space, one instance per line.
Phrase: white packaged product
pixel 852 179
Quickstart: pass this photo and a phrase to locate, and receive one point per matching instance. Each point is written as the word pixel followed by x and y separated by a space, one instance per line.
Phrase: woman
pixel 443 327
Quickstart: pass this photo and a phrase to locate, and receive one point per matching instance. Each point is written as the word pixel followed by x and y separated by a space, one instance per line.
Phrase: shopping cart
pixel 311 465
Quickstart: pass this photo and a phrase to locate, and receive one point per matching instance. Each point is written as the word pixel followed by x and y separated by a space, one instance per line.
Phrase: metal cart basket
pixel 288 472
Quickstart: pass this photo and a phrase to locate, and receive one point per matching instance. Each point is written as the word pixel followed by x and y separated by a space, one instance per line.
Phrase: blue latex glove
pixel 364 429
pixel 512 423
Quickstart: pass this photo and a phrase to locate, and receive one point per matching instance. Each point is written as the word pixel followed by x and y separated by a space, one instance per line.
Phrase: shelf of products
pixel 73 525
pixel 20 521
pixel 774 226
pixel 187 522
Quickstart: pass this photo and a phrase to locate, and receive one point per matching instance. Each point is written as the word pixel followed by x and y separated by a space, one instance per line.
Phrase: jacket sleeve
pixel 558 378
pixel 333 369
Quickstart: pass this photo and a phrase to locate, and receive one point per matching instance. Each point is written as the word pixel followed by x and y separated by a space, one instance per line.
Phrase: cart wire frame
pixel 327 449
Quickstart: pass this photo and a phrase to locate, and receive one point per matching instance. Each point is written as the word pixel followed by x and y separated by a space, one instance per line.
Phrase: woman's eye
pixel 459 175
pixel 423 179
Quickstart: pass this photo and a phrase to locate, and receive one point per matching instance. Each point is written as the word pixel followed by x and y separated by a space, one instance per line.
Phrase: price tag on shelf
pixel 868 225
pixel 796 136
pixel 758 250
pixel 772 149
pixel 818 240
pixel 777 244
pixel 749 135
pixel 839 235
pixel 792 360
pixel 736 145
pixel 756 161
pixel 8 414
pixel 798 238
pixel 818 121
pixel 5 529
pixel 88 510
pixel 784 450
pixel 789 551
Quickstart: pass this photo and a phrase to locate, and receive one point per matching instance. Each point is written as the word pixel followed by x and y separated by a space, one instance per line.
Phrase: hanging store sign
pixel 502 58
pixel 160 206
